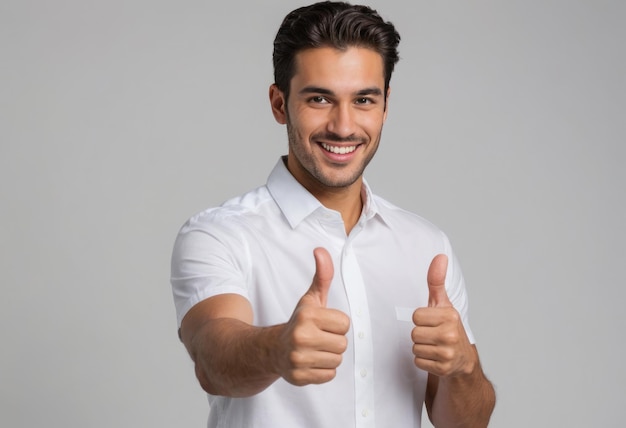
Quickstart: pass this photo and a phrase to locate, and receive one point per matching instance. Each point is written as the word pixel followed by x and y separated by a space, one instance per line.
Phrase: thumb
pixel 437 296
pixel 324 272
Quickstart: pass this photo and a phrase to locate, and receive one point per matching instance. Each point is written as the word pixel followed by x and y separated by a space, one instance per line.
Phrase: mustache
pixel 330 136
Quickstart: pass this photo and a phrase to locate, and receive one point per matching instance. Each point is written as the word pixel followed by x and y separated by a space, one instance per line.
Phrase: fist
pixel 440 345
pixel 314 338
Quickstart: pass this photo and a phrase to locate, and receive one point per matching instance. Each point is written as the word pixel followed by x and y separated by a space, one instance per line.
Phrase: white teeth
pixel 338 150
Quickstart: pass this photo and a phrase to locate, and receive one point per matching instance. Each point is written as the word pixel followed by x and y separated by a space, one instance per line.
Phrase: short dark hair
pixel 332 24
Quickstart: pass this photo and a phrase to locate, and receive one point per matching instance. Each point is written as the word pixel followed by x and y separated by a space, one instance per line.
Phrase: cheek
pixel 309 123
pixel 373 129
pixel 371 121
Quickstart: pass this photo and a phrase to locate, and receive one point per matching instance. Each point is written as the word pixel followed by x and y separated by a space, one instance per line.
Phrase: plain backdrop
pixel 120 119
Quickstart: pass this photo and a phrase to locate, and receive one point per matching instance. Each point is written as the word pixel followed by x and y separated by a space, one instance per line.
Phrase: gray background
pixel 120 119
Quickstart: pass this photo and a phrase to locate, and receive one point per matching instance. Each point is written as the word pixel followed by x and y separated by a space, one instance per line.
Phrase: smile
pixel 340 150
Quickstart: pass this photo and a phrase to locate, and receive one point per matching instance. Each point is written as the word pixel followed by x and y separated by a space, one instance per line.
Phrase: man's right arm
pixel 231 356
pixel 235 358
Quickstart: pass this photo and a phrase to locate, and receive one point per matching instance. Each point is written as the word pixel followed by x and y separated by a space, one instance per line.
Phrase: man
pixel 311 302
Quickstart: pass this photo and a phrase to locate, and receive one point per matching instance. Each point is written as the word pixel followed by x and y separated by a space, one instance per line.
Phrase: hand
pixel 440 344
pixel 314 338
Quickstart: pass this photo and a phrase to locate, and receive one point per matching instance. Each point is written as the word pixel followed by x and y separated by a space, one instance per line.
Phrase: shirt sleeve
pixel 206 261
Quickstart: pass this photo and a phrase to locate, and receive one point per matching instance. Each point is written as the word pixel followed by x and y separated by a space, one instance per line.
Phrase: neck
pixel 346 200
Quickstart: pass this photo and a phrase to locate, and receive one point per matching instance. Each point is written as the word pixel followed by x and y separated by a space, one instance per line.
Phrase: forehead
pixel 350 69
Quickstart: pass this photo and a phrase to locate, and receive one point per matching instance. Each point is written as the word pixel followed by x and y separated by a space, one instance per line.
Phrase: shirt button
pixel 365 413
pixel 363 372
pixel 361 335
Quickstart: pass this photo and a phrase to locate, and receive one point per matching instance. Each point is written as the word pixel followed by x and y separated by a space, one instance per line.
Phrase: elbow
pixel 225 388
pixel 204 381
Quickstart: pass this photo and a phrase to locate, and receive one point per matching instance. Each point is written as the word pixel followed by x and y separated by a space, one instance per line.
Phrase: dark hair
pixel 332 24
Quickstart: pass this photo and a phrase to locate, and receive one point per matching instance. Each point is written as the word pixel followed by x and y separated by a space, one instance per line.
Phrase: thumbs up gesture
pixel 314 338
pixel 440 344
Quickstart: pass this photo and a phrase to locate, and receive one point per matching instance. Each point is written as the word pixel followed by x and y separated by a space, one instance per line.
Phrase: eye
pixel 318 99
pixel 363 100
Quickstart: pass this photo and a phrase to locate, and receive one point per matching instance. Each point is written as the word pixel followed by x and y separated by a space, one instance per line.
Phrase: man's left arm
pixel 458 392
pixel 460 401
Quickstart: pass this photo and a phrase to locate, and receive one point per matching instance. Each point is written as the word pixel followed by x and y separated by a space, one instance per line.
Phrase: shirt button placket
pixel 363 346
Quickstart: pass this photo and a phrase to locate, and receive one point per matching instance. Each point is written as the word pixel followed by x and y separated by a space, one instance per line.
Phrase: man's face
pixel 334 115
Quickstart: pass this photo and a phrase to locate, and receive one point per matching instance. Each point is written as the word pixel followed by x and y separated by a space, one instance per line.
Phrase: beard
pixel 342 175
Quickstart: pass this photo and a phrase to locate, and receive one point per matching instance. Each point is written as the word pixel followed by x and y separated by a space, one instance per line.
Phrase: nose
pixel 341 121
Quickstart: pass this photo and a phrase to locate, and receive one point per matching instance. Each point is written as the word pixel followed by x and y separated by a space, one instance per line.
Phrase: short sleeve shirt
pixel 260 246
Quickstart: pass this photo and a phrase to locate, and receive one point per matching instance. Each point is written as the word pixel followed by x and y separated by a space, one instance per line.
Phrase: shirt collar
pixel 296 203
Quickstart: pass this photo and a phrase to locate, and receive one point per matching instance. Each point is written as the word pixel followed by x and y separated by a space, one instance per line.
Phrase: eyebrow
pixel 323 91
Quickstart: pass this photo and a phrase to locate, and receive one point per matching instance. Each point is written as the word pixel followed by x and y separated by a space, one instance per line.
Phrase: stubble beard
pixel 314 170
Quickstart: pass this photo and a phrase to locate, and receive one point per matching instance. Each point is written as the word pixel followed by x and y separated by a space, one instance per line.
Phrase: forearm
pixel 234 358
pixel 463 401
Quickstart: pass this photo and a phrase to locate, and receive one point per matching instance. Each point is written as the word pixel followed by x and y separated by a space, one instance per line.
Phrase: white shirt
pixel 260 245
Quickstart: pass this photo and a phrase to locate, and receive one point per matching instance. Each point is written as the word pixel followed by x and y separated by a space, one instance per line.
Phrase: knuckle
pixel 301 337
pixel 303 314
pixel 298 340
pixel 449 337
pixel 447 354
pixel 454 316
pixel 296 359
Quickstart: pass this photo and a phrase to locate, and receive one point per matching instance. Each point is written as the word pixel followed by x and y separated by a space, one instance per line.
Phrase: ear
pixel 278 103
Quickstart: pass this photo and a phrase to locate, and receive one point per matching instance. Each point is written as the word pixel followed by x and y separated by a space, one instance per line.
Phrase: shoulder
pixel 217 238
pixel 232 213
